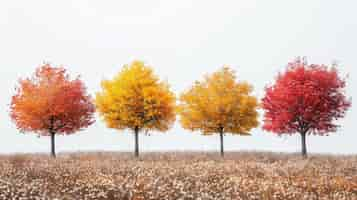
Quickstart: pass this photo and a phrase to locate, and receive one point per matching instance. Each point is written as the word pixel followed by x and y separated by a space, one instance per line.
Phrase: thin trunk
pixel 222 145
pixel 136 141
pixel 303 144
pixel 53 151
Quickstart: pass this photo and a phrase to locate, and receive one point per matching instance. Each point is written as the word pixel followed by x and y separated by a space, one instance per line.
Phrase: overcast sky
pixel 182 40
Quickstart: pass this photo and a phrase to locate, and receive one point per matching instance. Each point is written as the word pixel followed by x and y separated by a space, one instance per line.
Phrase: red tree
pixel 51 103
pixel 306 99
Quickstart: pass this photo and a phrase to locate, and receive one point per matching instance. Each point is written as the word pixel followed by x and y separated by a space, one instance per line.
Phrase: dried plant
pixel 245 175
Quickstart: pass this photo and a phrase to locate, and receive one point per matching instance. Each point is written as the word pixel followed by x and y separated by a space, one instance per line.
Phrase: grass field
pixel 244 175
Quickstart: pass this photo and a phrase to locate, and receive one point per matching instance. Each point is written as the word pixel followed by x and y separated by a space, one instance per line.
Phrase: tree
pixel 50 103
pixel 306 99
pixel 135 99
pixel 219 104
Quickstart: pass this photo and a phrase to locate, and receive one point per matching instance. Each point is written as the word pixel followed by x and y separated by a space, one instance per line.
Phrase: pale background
pixel 182 40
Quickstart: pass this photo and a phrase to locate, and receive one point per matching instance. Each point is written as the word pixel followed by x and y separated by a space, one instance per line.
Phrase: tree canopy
pixel 217 102
pixel 136 99
pixel 305 99
pixel 50 103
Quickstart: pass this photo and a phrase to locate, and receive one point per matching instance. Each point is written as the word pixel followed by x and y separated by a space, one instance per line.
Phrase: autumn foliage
pixel 306 99
pixel 51 103
pixel 136 99
pixel 219 104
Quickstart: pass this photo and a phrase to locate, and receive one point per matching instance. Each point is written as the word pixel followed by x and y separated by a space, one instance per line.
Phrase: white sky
pixel 183 40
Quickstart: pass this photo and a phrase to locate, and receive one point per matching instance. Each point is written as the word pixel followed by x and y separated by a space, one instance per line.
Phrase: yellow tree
pixel 136 99
pixel 219 104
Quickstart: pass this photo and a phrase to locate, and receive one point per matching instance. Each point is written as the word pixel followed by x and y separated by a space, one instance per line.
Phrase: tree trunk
pixel 136 141
pixel 222 147
pixel 53 151
pixel 303 144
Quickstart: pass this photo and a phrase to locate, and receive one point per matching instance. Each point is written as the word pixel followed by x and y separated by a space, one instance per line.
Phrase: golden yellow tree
pixel 219 104
pixel 136 99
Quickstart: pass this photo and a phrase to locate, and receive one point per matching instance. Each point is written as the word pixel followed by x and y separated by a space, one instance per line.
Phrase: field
pixel 244 175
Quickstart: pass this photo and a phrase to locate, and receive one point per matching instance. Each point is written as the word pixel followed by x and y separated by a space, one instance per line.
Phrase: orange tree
pixel 135 99
pixel 51 103
pixel 219 104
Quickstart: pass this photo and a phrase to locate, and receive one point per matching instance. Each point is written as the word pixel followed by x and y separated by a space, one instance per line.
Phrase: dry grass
pixel 178 176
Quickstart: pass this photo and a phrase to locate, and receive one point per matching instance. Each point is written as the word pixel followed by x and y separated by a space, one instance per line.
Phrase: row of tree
pixel 305 99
